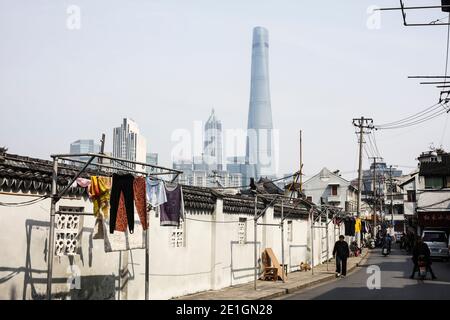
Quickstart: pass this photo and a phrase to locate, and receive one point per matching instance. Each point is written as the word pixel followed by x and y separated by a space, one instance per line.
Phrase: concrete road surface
pixel 395 270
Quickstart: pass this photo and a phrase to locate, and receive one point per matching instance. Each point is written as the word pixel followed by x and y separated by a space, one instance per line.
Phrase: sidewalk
pixel 268 289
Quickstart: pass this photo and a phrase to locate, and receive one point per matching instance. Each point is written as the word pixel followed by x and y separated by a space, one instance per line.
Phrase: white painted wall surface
pixel 23 261
pixel 212 258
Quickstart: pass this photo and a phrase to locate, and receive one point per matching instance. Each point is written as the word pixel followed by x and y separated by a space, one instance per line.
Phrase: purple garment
pixel 173 209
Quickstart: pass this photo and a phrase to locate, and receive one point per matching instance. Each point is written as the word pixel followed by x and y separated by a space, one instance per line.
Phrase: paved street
pixel 395 282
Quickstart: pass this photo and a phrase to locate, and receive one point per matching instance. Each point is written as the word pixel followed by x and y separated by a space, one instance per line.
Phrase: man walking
pixel 341 252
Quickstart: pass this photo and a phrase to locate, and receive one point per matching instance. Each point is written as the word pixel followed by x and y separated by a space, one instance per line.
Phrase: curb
pixel 311 284
pixel 286 291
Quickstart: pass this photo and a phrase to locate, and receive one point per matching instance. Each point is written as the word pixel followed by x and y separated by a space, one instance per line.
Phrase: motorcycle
pixel 422 267
pixel 370 243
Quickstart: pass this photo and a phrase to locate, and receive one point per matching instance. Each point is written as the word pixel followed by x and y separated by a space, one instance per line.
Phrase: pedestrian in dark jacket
pixel 341 252
pixel 421 249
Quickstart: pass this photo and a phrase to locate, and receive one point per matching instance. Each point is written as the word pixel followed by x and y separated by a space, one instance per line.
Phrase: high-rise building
pixel 382 174
pixel 84 146
pixel 128 143
pixel 198 174
pixel 259 149
pixel 212 145
pixel 152 158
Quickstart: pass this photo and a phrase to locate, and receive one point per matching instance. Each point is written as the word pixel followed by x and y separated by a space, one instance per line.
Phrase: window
pixel 177 236
pixel 67 228
pixel 289 231
pixel 411 195
pixel 242 231
pixel 435 237
pixel 334 189
pixel 434 182
pixel 309 198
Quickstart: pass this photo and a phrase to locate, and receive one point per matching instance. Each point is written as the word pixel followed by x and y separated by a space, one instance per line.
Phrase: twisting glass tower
pixel 259 153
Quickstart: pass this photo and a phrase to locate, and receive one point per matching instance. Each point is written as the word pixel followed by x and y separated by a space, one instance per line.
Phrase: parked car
pixel 438 243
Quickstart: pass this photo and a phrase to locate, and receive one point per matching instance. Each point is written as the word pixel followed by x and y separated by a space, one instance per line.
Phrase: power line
pixel 410 118
pixel 367 153
pixel 372 145
pixel 430 112
pixel 24 203
pixel 418 121
pixel 375 143
pixel 199 220
pixel 446 56
pixel 446 70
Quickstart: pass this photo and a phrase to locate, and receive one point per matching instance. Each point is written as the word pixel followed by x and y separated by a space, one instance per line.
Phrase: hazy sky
pixel 167 63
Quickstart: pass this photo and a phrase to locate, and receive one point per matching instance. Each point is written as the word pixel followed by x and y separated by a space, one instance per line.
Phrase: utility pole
pixel 301 164
pixel 361 123
pixel 375 193
pixel 392 195
pixel 380 197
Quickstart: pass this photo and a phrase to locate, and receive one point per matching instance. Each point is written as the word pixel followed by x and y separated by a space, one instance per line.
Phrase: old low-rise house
pixel 408 185
pixel 433 194
pixel 330 188
pixel 426 192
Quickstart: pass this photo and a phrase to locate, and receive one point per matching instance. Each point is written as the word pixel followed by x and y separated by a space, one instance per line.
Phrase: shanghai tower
pixel 259 148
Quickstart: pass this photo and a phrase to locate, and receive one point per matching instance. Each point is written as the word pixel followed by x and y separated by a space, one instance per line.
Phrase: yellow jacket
pixel 358 225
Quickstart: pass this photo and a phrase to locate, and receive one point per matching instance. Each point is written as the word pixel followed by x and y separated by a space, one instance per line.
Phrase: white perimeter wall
pixel 212 257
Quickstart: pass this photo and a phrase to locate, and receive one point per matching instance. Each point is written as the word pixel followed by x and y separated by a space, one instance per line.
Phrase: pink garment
pixel 82 182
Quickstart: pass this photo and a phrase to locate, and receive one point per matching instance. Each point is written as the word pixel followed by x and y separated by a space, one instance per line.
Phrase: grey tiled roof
pixel 199 198
pixel 436 168
pixel 20 173
pixel 35 175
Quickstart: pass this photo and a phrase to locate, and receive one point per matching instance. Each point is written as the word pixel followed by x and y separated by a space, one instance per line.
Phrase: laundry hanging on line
pixel 81 182
pixel 349 224
pixel 173 209
pixel 156 192
pixel 118 198
pixel 140 202
pixel 122 215
pixel 100 192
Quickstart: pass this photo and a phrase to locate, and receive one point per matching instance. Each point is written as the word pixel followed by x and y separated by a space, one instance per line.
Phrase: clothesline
pixel 103 197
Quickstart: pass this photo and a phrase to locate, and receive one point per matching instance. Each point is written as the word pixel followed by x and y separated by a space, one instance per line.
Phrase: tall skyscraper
pixel 84 146
pixel 208 170
pixel 212 146
pixel 152 158
pixel 259 149
pixel 128 143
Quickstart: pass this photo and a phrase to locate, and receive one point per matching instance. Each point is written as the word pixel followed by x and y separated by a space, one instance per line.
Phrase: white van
pixel 438 243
